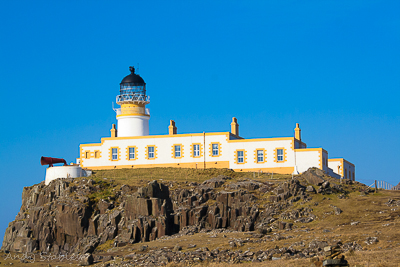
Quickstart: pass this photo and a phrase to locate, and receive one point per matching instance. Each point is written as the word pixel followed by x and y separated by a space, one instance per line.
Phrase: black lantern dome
pixel 132 89
pixel 133 78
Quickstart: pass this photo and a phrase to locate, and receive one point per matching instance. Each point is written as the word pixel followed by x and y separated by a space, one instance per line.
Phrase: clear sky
pixel 332 66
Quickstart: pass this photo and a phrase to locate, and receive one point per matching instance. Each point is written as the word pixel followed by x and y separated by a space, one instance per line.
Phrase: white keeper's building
pixel 131 146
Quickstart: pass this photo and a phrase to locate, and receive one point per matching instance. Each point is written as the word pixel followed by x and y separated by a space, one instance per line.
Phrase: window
pixel 260 155
pixel 114 153
pixel 177 151
pixel 196 150
pixel 150 152
pixel 279 153
pixel 131 153
pixel 215 150
pixel 240 156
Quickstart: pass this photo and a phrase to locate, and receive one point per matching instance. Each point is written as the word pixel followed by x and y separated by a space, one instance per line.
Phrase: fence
pixel 383 185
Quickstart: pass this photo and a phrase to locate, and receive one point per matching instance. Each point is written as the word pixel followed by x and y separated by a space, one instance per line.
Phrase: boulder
pixel 86 259
pixel 104 205
pixel 314 176
pixel 177 248
pixel 154 189
pixel 325 185
pixel 216 181
pixel 281 225
pixel 249 185
pixel 310 189
pixel 336 210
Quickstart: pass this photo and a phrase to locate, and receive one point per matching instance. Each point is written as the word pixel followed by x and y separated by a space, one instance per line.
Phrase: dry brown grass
pixel 140 177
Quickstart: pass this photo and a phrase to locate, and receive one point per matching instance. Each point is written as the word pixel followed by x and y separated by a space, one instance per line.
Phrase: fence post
pixel 376 187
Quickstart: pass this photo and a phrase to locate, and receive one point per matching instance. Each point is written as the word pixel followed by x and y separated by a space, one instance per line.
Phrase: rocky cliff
pixel 78 215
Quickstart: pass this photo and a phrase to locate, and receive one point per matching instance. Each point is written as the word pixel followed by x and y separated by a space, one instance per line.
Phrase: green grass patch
pixel 106 246
pixel 104 194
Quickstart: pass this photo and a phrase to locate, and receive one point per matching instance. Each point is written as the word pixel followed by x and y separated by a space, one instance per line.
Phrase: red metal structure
pixel 51 161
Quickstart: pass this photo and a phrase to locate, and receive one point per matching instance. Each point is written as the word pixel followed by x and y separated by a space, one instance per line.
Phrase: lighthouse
pixel 130 146
pixel 133 116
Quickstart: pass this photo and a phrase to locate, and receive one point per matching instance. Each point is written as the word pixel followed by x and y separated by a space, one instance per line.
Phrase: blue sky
pixel 332 66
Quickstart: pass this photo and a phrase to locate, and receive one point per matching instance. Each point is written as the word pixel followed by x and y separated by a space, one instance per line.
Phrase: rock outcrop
pixel 78 215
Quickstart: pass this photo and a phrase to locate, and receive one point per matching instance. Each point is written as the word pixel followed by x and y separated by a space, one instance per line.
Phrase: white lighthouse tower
pixel 133 116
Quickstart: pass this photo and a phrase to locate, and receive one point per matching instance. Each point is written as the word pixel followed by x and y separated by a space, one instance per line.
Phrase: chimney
pixel 113 131
pixel 234 127
pixel 171 128
pixel 297 132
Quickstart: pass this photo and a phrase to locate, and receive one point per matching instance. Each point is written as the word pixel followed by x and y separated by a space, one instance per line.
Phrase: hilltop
pixel 166 216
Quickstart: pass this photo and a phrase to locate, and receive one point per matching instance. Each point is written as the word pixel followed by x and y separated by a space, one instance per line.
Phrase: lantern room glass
pixel 132 92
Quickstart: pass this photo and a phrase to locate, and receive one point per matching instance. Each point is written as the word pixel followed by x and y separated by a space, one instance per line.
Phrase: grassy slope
pixel 374 216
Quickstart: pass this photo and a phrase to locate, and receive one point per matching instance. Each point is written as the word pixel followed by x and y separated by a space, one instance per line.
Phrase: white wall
pixel 350 169
pixel 307 159
pixel 269 156
pixel 133 126
pixel 164 149
pixel 302 158
pixel 56 172
pixel 334 164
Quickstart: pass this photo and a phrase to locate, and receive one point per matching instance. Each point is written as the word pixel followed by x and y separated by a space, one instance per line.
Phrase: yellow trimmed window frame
pixel 215 149
pixel 151 152
pixel 257 156
pixel 240 156
pixel 280 155
pixel 177 151
pixel 200 150
pixel 129 154
pixel 114 153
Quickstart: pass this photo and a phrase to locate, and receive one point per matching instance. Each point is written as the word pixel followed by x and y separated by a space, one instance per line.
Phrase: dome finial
pixel 132 69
